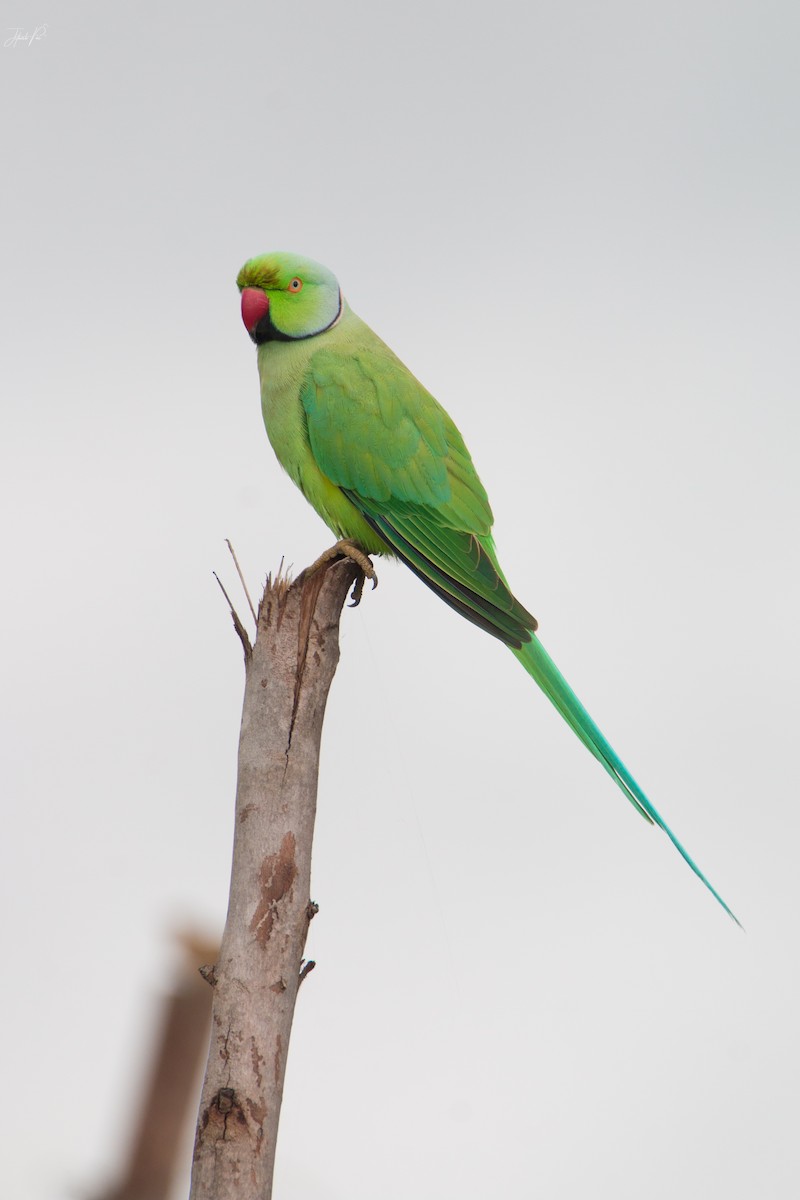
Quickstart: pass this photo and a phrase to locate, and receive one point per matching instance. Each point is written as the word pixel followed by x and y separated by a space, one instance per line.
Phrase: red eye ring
pixel 295 285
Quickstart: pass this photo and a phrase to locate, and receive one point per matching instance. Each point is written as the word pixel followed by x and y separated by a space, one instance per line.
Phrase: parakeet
pixel 385 467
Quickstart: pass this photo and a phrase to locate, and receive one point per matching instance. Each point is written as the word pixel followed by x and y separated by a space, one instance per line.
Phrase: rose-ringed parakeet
pixel 385 467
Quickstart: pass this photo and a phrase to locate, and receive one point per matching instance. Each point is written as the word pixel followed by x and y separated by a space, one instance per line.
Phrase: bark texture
pixel 288 674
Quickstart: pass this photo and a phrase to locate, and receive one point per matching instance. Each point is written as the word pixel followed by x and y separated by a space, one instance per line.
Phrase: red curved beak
pixel 255 305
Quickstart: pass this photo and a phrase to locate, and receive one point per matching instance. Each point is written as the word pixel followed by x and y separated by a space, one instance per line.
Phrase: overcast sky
pixel 578 225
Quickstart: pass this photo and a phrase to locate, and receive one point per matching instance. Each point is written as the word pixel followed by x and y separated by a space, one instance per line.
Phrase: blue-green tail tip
pixel 540 666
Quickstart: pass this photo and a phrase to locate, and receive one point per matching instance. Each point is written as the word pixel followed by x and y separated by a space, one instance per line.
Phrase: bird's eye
pixel 295 285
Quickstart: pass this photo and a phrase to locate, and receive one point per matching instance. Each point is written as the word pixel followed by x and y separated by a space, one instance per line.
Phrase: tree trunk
pixel 288 674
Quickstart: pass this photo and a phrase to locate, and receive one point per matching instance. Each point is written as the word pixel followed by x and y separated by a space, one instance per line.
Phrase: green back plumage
pixel 384 465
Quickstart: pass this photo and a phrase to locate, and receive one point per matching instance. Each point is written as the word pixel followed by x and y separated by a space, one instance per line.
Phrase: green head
pixel 286 298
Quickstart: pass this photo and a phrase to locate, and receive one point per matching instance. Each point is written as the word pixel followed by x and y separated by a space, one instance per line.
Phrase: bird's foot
pixel 345 549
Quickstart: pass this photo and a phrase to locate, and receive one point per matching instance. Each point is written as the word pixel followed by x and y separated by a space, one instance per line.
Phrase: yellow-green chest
pixel 283 368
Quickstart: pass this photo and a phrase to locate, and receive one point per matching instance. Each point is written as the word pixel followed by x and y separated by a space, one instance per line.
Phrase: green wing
pixel 377 434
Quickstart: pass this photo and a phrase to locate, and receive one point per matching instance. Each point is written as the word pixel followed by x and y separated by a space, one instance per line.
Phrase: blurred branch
pixel 287 678
pixel 181 1042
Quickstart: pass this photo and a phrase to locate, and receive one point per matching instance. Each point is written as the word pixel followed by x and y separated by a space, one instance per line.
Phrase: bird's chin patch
pixel 264 331
pixel 267 331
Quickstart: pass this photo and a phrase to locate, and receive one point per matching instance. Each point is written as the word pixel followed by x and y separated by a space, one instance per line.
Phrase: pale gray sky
pixel 577 223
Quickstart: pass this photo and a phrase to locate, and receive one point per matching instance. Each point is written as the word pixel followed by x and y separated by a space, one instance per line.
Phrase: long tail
pixel 540 666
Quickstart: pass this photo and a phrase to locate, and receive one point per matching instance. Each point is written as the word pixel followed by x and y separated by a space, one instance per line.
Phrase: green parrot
pixel 385 467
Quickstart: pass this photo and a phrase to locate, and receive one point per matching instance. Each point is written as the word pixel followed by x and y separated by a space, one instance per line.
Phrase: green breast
pixel 282 367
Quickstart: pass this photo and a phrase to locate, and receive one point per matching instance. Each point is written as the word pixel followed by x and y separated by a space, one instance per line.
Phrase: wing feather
pixel 383 439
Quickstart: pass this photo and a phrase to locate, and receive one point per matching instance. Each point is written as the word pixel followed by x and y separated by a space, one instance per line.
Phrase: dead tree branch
pixel 288 674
